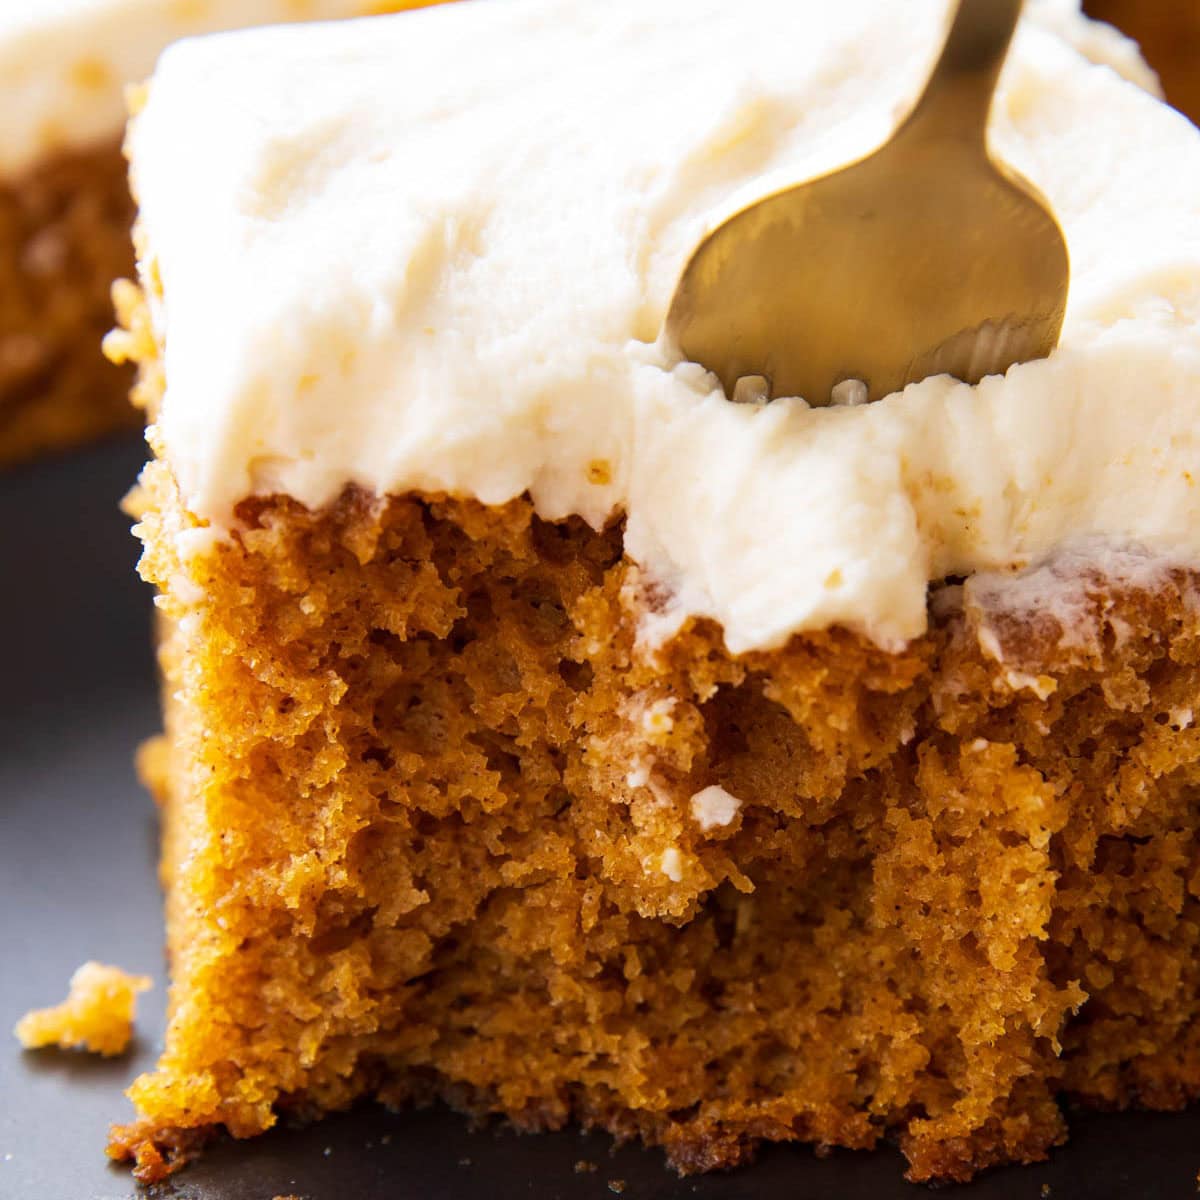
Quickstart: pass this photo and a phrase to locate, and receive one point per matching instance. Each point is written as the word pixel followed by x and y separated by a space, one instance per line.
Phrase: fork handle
pixel 958 96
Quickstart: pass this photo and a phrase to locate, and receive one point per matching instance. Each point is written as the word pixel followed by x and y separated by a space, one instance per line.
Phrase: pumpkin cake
pixel 547 734
pixel 65 210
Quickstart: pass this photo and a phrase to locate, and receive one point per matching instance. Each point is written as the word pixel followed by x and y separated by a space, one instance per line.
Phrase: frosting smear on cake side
pixel 433 252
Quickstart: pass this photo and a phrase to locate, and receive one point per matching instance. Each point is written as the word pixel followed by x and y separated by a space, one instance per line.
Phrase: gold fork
pixel 927 256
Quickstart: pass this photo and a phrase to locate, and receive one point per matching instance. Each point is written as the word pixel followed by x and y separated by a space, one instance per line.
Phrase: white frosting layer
pixel 64 64
pixel 435 251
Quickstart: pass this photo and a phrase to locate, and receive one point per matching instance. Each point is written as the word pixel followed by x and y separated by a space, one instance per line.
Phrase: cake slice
pixel 551 736
pixel 65 210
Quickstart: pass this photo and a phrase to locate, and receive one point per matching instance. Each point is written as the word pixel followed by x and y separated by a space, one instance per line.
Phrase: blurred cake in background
pixel 65 211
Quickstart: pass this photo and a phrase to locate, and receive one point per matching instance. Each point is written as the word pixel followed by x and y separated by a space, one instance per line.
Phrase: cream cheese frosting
pixel 434 252
pixel 64 64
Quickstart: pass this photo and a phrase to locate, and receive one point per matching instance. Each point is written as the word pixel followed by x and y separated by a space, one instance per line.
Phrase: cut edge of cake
pixel 427 796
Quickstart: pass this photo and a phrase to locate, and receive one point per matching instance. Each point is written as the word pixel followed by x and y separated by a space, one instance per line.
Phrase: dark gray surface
pixel 77 881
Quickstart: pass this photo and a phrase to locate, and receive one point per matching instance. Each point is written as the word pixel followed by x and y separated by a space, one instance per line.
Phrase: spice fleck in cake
pixel 65 210
pixel 548 734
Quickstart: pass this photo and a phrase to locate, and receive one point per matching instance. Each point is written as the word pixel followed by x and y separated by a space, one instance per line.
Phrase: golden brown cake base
pixel 64 238
pixel 429 834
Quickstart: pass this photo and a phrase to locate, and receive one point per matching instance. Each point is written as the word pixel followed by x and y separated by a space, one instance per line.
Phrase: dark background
pixel 78 845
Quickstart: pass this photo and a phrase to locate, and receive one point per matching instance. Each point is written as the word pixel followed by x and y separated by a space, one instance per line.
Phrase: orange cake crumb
pixel 96 1016
pixel 947 893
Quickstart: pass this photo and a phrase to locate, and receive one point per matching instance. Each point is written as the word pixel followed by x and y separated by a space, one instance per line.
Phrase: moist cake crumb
pixel 97 1015
pixel 961 894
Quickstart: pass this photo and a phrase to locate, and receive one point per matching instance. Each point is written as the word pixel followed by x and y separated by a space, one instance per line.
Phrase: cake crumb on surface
pixel 96 1016
pixel 616 1185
